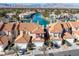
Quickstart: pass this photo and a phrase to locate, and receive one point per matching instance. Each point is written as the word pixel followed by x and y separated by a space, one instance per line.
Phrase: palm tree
pixel 46 37
pixel 30 45
pixel 62 34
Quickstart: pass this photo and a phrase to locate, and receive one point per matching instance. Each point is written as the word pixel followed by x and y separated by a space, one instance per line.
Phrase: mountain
pixel 39 5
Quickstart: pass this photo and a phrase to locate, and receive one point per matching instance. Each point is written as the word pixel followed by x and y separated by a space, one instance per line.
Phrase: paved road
pixel 66 53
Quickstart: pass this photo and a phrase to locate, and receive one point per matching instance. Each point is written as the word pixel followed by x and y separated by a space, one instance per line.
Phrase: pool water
pixel 38 18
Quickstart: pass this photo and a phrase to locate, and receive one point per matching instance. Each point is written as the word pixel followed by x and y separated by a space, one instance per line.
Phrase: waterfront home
pixel 22 15
pixel 31 29
pixel 25 31
pixel 3 42
pixel 55 30
pixel 10 15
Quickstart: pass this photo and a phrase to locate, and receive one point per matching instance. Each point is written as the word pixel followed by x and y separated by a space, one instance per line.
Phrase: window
pixel 55 35
pixel 24 32
pixel 76 28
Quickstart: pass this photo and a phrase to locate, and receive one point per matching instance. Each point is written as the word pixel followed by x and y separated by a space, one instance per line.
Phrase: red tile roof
pixel 8 27
pixel 74 24
pixel 56 28
pixel 66 25
pixel 67 35
pixel 39 30
pixel 33 28
pixel 4 40
pixel 0 43
pixel 76 32
pixel 23 39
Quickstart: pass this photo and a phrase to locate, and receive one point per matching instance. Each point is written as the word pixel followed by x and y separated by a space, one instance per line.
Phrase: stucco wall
pixel 21 45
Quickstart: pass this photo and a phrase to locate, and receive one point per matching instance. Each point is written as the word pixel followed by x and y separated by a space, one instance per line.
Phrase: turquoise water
pixel 38 18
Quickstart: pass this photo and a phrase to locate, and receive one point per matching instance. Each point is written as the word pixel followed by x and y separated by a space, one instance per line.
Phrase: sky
pixel 40 3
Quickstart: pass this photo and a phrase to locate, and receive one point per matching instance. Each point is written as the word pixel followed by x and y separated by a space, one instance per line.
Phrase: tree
pixel 46 13
pixel 57 12
pixel 46 37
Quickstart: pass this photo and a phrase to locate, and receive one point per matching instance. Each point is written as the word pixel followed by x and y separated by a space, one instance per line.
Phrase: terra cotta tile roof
pixel 67 35
pixel 4 40
pixel 31 27
pixel 56 28
pixel 74 24
pixel 24 39
pixel 8 27
pixel 76 32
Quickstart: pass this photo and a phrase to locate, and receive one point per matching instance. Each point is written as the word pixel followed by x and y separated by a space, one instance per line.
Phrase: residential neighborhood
pixel 39 31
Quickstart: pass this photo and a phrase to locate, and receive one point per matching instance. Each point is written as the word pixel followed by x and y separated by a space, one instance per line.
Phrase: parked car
pixel 22 51
pixel 56 45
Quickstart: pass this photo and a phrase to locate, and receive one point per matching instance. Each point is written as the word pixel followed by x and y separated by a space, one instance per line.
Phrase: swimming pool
pixel 38 18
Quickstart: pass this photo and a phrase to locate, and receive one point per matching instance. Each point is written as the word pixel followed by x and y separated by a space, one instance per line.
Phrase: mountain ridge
pixel 39 5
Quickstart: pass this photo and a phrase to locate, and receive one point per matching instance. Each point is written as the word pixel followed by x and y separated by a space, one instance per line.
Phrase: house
pixel 58 28
pixel 22 15
pixel 52 17
pixel 55 30
pixel 31 29
pixel 76 16
pixel 25 31
pixel 4 41
pixel 74 25
pixel 9 29
pixel 22 40
pixel 10 15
